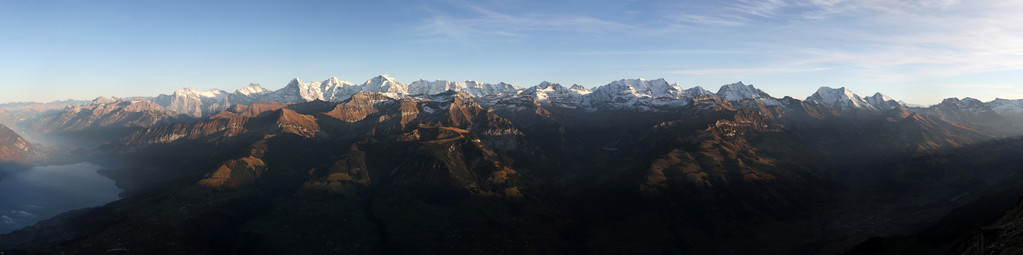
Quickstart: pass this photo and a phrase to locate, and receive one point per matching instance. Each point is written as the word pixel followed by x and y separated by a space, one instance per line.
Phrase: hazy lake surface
pixel 27 197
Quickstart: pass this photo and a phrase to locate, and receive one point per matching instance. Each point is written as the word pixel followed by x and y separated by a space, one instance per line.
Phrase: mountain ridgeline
pixel 437 167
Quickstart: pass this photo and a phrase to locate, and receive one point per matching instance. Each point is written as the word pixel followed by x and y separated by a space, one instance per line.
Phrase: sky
pixel 919 51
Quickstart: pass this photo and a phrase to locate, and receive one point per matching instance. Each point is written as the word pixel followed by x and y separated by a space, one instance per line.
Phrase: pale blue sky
pixel 919 51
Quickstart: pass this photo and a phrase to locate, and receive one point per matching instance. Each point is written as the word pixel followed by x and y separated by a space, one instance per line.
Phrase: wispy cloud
pixel 762 8
pixel 926 38
pixel 749 71
pixel 904 40
pixel 722 20
pixel 985 86
pixel 876 40
pixel 653 52
pixel 481 22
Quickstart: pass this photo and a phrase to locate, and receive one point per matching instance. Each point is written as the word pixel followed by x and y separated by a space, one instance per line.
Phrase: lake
pixel 39 193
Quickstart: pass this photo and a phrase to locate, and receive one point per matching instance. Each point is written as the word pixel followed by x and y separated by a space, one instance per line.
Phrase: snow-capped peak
pixel 385 84
pixel 334 89
pixel 638 93
pixel 212 93
pixel 580 89
pixel 297 91
pixel 424 87
pixel 740 91
pixel 840 98
pixel 253 88
pixel 104 100
pixel 967 104
pixel 881 97
pixel 553 93
pixel 883 102
pixel 1007 107
pixel 697 91
pixel 546 85
pixel 473 88
pixel 658 88
pixel 334 81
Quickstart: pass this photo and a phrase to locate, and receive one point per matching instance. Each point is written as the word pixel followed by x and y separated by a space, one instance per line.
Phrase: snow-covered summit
pixel 194 102
pixel 386 85
pixel 191 92
pixel 697 91
pixel 740 91
pixel 883 102
pixel 968 104
pixel 473 88
pixel 251 89
pixel 334 89
pixel 299 91
pixel 839 98
pixel 1007 107
pixel 103 100
pixel 556 94
pixel 580 89
pixel 638 92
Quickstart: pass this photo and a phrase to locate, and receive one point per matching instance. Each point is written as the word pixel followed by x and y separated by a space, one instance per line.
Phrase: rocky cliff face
pixel 13 148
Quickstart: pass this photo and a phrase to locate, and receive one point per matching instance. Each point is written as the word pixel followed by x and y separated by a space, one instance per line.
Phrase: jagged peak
pixel 842 90
pixel 334 81
pixel 104 100
pixel 638 82
pixel 294 82
pixel 882 96
pixel 736 84
pixel 382 78
pixel 551 85
pixel 999 99
pixel 951 100
pixel 200 93
pixel 741 91
pixel 971 100
pixel 884 102
pixel 252 88
pixel 963 101
pixel 580 89
pixel 829 94
pixel 654 88
pixel 697 91
pixel 738 87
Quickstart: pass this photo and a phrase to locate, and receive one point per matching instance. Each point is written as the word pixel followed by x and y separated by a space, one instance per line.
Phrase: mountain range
pixel 639 94
pixel 634 166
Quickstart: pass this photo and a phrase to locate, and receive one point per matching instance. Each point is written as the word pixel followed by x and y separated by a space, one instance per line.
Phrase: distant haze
pixel 43 192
